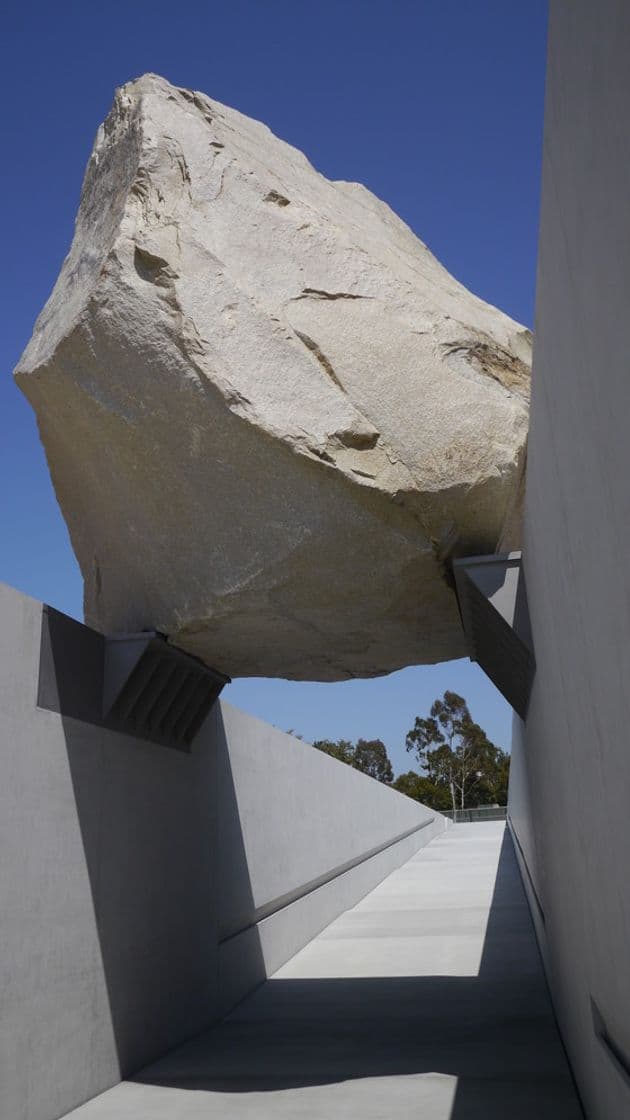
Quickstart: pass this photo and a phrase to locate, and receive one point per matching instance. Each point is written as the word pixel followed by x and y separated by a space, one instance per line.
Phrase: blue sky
pixel 436 105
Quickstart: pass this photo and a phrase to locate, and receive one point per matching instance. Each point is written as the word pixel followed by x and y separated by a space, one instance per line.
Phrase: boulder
pixel 271 416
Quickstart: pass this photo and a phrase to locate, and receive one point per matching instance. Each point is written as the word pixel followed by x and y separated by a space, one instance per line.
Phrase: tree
pixel 341 749
pixel 457 754
pixel 421 788
pixel 493 787
pixel 370 756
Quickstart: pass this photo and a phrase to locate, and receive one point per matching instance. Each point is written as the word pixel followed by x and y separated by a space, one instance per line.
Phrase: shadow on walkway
pixel 494 1032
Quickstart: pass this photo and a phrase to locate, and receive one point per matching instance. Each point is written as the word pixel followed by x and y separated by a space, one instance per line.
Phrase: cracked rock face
pixel 271 416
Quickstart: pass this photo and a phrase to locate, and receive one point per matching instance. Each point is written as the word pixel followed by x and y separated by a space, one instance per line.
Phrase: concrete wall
pixel 574 762
pixel 521 818
pixel 314 836
pixel 145 890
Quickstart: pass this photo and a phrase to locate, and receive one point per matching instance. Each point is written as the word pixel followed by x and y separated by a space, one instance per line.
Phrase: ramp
pixel 426 1000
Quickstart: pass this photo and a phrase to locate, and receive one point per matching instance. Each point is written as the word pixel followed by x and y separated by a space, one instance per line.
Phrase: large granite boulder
pixel 271 416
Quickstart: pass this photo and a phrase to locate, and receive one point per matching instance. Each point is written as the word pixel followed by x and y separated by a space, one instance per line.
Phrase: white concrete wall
pixel 576 750
pixel 304 825
pixel 344 809
pixel 143 891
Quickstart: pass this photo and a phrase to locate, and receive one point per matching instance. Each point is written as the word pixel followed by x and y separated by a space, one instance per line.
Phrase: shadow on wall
pixel 493 1031
pixel 149 820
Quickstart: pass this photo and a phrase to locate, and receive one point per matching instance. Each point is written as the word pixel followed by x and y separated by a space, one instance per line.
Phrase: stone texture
pixel 271 415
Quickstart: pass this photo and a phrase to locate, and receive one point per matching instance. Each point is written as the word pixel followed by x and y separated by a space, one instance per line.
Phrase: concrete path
pixel 426 1001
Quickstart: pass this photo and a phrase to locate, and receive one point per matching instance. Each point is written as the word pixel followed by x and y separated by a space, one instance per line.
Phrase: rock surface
pixel 270 414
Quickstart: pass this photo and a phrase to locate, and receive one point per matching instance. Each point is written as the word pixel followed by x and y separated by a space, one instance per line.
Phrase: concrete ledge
pixel 281 934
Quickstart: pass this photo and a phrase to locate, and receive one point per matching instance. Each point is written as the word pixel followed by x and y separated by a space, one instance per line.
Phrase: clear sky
pixel 436 105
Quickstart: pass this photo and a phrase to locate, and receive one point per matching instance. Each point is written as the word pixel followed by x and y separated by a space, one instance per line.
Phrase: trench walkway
pixel 425 1001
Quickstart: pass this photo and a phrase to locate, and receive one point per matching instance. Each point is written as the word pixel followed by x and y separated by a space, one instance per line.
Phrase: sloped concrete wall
pixel 575 748
pixel 144 890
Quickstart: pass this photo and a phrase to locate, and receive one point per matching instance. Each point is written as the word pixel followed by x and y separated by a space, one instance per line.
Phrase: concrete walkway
pixel 426 1001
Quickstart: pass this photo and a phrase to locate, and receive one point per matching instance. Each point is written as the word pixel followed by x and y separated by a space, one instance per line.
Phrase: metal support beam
pixel 493 606
pixel 135 683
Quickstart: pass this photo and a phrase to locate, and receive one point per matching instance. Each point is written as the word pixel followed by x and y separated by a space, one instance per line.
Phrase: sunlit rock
pixel 271 415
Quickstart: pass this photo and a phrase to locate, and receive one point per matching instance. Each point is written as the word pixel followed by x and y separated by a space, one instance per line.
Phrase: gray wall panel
pixel 348 812
pixel 126 868
pixel 107 885
pixel 577 546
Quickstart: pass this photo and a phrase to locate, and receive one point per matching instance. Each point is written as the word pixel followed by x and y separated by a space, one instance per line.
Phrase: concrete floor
pixel 425 1001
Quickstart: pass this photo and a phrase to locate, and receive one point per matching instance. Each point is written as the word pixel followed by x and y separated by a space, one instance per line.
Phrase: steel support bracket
pixel 493 606
pixel 135 683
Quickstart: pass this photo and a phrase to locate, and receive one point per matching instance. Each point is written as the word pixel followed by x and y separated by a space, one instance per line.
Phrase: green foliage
pixel 341 749
pixel 421 788
pixel 369 756
pixel 493 787
pixel 461 766
pixel 457 755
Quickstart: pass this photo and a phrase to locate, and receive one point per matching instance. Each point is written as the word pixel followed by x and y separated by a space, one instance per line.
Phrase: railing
pixel 483 813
